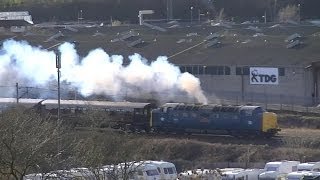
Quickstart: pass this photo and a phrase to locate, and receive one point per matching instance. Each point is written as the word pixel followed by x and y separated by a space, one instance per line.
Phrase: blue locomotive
pixel 214 119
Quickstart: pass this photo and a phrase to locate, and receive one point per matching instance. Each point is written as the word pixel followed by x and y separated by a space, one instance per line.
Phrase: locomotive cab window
pixel 258 111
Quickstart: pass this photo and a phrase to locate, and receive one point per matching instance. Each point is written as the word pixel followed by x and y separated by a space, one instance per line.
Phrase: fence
pixel 268 101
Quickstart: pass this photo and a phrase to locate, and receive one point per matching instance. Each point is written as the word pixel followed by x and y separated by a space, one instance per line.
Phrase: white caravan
pixel 299 175
pixel 166 170
pixel 40 176
pixel 245 174
pixel 305 169
pixel 138 171
pixel 309 166
pixel 200 174
pixel 278 169
pixel 75 173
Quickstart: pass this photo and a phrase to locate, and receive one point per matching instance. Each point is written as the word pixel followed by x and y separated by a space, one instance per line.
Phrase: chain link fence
pixel 268 101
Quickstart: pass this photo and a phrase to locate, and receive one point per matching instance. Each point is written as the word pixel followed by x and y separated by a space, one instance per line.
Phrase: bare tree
pixel 28 143
pixel 289 13
pixel 221 17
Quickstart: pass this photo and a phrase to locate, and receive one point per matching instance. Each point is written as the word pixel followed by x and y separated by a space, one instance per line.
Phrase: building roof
pixel 238 45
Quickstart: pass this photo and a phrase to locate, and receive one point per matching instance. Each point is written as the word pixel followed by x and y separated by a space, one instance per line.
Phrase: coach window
pixel 165 170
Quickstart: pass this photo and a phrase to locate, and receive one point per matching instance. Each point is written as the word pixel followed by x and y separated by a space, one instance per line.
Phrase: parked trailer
pixel 309 166
pixel 200 174
pixel 138 170
pixel 74 173
pixel 299 175
pixel 166 170
pixel 244 174
pixel 278 169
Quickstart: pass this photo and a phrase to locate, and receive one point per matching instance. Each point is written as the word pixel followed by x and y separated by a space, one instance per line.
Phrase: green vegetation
pixel 298 120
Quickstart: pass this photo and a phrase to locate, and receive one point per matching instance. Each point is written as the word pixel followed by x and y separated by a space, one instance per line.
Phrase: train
pixel 179 118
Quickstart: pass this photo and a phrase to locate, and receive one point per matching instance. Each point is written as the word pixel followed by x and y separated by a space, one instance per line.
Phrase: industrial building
pixel 283 58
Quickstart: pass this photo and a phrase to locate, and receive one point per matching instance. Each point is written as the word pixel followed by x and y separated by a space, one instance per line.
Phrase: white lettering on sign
pixel 264 75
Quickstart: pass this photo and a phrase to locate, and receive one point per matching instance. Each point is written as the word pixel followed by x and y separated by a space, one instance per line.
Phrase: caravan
pixel 166 170
pixel 300 175
pixel 308 169
pixel 244 174
pixel 137 170
pixel 278 170
pixel 309 166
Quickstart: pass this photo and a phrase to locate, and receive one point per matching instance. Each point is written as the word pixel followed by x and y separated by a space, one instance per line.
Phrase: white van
pixel 166 170
pixel 278 169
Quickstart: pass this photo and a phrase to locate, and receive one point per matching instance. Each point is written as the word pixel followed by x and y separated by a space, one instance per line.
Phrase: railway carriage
pixel 133 116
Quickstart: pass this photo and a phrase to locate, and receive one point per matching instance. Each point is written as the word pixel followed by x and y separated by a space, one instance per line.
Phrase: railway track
pixel 284 138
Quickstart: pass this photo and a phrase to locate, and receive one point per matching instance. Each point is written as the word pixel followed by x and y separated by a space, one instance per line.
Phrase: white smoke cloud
pixel 98 73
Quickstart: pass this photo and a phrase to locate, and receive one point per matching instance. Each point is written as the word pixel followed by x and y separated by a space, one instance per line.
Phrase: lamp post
pixel 191 16
pixel 265 17
pixel 299 9
pixel 58 66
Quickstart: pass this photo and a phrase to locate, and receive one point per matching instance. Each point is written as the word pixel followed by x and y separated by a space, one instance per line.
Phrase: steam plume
pixel 97 73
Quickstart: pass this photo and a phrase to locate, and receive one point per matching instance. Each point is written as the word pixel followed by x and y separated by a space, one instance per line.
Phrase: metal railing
pixel 268 101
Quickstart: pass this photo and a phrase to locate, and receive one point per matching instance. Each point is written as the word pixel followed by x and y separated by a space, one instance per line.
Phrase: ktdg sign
pixel 263 75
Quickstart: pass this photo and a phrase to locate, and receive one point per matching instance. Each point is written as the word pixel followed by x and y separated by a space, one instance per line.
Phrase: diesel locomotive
pixel 214 119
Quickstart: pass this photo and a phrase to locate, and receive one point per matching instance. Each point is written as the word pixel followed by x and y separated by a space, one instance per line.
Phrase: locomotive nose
pixel 270 123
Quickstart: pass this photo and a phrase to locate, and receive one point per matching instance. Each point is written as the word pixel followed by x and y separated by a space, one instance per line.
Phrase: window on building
pixel 238 70
pixel 245 70
pixel 182 69
pixel 189 69
pixel 281 71
pixel 201 70
pixel 227 70
pixel 212 70
pixel 220 70
pixel 195 70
